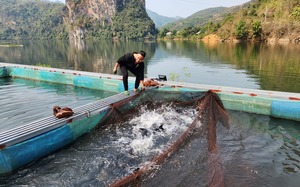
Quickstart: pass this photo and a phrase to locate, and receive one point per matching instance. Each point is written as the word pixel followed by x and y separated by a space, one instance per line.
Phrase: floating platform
pixel 24 144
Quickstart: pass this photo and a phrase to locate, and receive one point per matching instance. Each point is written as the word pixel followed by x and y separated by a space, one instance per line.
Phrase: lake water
pixel 257 66
pixel 24 101
pixel 256 151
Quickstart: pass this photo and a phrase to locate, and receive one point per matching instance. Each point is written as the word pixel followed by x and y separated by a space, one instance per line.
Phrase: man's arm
pixel 142 75
pixel 116 68
pixel 121 61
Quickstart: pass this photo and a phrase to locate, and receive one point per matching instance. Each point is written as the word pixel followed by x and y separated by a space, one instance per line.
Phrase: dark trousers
pixel 134 71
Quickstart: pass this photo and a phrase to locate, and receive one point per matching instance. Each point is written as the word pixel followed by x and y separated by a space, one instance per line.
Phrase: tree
pixel 257 29
pixel 296 13
pixel 163 33
pixel 241 30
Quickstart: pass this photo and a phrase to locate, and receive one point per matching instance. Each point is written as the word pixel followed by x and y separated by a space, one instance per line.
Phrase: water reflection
pixel 256 65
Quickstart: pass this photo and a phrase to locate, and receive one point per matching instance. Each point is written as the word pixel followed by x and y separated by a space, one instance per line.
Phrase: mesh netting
pixel 210 112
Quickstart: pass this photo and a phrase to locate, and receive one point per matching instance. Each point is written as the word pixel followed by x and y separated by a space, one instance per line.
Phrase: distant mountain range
pixel 197 19
pixel 160 20
pixel 201 17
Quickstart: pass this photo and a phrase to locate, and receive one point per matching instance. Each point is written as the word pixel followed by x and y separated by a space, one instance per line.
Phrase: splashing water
pixel 104 155
pixel 154 128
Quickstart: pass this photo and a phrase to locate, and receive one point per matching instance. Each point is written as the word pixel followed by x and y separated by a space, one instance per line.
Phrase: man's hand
pixel 142 85
pixel 115 70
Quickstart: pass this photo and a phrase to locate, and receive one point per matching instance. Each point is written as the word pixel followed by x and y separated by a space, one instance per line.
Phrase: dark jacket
pixel 128 61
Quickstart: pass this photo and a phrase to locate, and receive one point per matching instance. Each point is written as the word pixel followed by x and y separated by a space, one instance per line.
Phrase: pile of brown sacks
pixel 62 112
pixel 150 82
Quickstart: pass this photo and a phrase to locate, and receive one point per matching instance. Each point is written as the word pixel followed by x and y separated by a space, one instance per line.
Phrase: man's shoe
pixel 126 93
pixel 135 90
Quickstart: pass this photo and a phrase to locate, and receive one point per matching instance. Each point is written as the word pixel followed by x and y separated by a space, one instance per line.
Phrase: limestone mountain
pixel 42 19
pixel 126 19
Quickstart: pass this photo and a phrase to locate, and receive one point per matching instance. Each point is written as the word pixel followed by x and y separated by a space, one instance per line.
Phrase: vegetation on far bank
pixel 259 20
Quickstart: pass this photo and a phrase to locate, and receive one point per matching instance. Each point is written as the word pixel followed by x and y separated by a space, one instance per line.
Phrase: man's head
pixel 143 53
pixel 140 56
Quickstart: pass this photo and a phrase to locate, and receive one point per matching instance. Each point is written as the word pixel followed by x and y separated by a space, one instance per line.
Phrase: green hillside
pixel 199 18
pixel 263 20
pixel 197 25
pixel 42 19
pixel 259 20
pixel 133 22
pixel 31 19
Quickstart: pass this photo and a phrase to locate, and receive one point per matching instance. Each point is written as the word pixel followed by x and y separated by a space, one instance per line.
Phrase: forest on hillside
pixel 42 19
pixel 258 20
pixel 27 19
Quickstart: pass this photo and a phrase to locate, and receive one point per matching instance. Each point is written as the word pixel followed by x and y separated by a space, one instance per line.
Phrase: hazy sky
pixel 185 8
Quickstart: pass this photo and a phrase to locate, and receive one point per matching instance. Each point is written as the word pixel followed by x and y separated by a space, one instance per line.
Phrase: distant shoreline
pixel 215 39
pixel 10 45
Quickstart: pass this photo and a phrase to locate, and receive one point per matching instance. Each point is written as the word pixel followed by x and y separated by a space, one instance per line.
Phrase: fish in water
pixel 160 128
pixel 178 110
pixel 210 110
pixel 144 132
pixel 62 112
